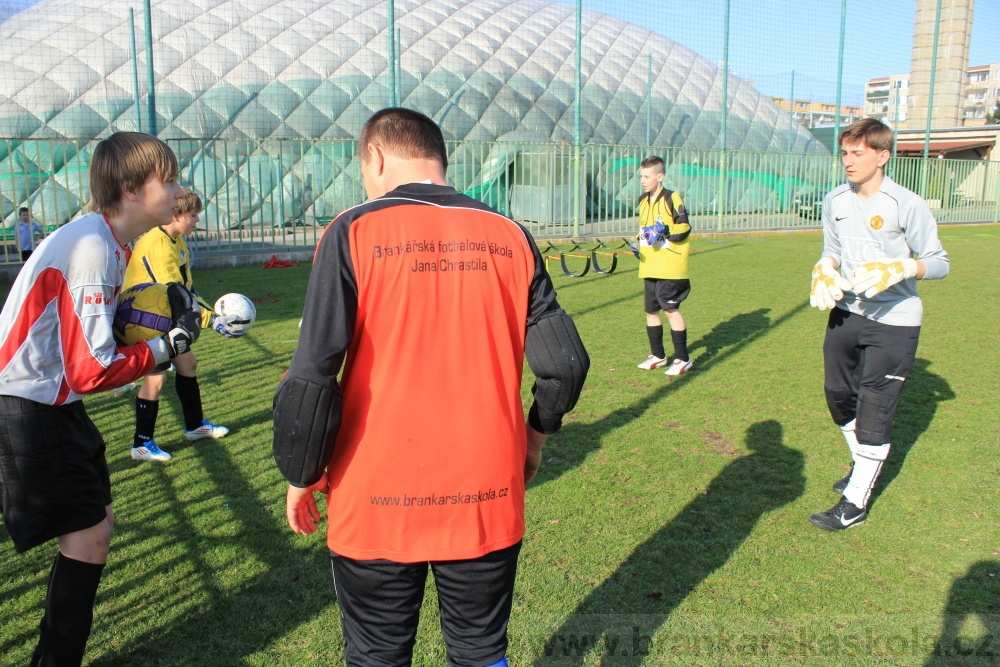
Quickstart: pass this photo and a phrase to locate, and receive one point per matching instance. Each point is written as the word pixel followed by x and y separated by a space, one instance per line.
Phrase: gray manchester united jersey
pixel 896 224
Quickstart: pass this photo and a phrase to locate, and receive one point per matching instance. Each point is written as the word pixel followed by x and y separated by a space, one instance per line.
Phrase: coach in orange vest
pixel 431 301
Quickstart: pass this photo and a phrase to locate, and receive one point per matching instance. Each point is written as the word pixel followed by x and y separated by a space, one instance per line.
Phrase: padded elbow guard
pixel 560 363
pixel 681 236
pixel 306 421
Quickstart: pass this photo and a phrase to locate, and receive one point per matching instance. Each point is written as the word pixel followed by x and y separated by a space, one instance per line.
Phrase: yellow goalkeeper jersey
pixel 157 258
pixel 667 257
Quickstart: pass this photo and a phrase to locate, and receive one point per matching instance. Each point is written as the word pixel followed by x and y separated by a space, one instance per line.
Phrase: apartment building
pixel 819 114
pixel 982 90
pixel 886 98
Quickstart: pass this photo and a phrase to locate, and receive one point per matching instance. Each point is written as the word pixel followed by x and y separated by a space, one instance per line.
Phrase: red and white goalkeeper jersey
pixel 55 329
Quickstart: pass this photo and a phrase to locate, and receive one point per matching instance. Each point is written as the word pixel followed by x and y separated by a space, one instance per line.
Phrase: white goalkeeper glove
pixel 827 285
pixel 872 278
pixel 219 325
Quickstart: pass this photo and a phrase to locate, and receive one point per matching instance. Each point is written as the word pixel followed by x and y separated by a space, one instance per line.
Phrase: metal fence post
pixel 398 69
pixel 649 100
pixel 390 66
pixel 996 190
pixel 835 149
pixel 895 125
pixel 840 73
pixel 720 195
pixel 150 78
pixel 791 144
pixel 135 69
pixel 930 100
pixel 577 118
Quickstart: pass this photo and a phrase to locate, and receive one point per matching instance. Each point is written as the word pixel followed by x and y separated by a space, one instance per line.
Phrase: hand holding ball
pixel 234 315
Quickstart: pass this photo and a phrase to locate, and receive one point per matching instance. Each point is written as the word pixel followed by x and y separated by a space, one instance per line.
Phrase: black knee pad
pixel 875 414
pixel 841 402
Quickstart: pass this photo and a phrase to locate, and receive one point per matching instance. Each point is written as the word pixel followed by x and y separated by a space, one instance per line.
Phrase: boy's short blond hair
pixel 122 163
pixel 189 203
pixel 871 132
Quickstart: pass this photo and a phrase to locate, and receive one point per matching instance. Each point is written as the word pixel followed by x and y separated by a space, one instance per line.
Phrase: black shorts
pixel 664 294
pixel 54 477
pixel 865 364
pixel 380 607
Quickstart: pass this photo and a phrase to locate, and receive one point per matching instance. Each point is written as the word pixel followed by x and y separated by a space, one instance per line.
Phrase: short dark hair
pixel 869 131
pixel 654 161
pixel 23 209
pixel 404 133
pixel 122 163
pixel 189 203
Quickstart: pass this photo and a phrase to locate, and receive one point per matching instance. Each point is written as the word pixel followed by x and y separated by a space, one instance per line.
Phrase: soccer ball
pixel 237 313
pixel 143 313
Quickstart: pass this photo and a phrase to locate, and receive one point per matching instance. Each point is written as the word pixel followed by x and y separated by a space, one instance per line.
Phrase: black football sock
pixel 190 395
pixel 69 612
pixel 145 420
pixel 680 339
pixel 656 341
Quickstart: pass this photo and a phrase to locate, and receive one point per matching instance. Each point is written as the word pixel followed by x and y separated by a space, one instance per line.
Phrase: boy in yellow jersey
pixel 663 264
pixel 162 256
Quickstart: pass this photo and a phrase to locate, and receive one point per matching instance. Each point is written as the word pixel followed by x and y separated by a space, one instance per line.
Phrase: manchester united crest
pixel 876 222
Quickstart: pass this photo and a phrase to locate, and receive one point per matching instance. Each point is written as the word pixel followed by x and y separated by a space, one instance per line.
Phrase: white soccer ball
pixel 236 312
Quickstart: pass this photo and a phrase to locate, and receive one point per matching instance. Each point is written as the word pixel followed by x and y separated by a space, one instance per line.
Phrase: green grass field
pixel 668 525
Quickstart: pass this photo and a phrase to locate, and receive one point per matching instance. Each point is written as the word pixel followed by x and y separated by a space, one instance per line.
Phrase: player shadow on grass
pixel 922 392
pixel 119 580
pixel 290 585
pixel 635 296
pixel 570 447
pixel 618 620
pixel 730 332
pixel 974 597
pixel 227 623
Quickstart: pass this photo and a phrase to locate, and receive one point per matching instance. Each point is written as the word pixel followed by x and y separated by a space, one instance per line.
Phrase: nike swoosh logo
pixel 844 521
pixel 842 218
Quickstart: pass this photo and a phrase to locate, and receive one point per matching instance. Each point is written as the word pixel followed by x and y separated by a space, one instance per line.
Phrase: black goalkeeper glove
pixel 182 300
pixel 186 314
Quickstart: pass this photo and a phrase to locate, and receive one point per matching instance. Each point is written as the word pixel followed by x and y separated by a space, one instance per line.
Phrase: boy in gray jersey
pixel 867 277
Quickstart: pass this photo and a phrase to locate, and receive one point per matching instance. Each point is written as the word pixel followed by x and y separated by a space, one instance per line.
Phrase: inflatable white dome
pixel 261 99
pixel 318 68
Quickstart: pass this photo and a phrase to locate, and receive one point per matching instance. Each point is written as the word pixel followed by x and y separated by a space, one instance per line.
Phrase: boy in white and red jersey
pixel 56 345
pixel 434 300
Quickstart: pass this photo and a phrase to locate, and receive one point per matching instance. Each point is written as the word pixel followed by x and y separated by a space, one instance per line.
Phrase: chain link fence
pixel 547 106
pixel 281 193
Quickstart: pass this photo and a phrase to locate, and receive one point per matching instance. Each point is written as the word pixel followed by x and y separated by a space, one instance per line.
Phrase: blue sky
pixel 768 39
pixel 771 38
pixel 8 8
